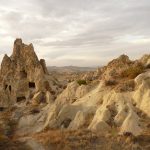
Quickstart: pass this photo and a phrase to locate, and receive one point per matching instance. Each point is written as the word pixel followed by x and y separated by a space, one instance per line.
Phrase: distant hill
pixel 70 69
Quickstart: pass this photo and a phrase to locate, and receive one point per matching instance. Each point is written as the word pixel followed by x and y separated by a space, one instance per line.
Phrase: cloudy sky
pixel 77 32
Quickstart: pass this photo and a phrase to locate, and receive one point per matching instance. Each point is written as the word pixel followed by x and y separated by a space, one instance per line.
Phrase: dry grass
pixel 8 144
pixel 128 85
pixel 83 140
pixel 66 139
pixel 133 71
pixel 110 82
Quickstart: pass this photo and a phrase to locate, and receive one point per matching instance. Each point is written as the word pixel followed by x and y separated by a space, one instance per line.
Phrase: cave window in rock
pixel 23 74
pixel 10 88
pixel 31 85
pixel 6 86
pixel 21 98
pixel 66 123
pixel 2 108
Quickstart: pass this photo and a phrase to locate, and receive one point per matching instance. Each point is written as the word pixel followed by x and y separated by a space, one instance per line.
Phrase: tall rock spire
pixel 22 72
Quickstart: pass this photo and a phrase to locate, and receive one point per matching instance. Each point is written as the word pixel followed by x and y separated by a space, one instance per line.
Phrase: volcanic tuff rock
pixel 22 74
pixel 32 101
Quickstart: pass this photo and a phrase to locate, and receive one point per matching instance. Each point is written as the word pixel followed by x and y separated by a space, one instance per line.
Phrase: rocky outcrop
pixel 104 108
pixel 145 60
pixel 104 101
pixel 110 72
pixel 22 74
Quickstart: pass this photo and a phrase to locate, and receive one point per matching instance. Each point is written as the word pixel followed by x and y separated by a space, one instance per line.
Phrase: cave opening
pixel 10 88
pixel 32 85
pixel 66 123
pixel 6 86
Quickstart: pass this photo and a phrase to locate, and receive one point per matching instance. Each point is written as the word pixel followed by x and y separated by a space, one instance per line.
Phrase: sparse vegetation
pixel 128 85
pixel 133 71
pixel 7 144
pixel 65 139
pixel 110 82
pixel 82 82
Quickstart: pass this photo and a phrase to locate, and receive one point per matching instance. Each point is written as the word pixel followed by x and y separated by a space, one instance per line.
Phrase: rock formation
pixel 22 74
pixel 113 100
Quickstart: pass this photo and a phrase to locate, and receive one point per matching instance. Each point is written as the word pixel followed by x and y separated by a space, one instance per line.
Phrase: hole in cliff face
pixel 2 109
pixel 23 74
pixel 66 123
pixel 10 88
pixel 6 86
pixel 31 85
pixel 21 98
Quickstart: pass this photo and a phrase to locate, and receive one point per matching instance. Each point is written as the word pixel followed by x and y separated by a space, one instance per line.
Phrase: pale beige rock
pixel 142 95
pixel 131 125
pixel 38 97
pixel 101 127
pixel 81 91
pixel 78 121
pixel 49 97
pixel 69 94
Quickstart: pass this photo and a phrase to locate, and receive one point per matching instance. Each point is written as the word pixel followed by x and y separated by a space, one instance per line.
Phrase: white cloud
pixel 77 32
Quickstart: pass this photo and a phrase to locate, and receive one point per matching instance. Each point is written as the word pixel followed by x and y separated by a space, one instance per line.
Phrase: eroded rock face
pixel 22 74
pixel 104 108
pixel 94 106
pixel 110 72
pixel 145 60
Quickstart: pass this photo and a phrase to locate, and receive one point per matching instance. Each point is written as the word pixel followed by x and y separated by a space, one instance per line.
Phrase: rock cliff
pixel 112 101
pixel 23 74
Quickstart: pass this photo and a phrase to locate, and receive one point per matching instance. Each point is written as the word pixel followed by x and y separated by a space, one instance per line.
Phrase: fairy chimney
pixel 22 72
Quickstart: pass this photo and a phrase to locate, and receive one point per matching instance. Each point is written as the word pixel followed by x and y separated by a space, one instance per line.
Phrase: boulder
pixel 78 121
pixel 131 125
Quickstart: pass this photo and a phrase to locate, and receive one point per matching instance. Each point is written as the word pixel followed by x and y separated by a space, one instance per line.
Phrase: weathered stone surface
pixel 22 72
pixel 40 105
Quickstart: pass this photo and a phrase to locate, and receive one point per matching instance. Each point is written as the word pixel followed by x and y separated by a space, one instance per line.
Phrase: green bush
pixel 81 82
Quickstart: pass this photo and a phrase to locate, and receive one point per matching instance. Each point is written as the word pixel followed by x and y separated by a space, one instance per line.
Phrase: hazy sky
pixel 77 32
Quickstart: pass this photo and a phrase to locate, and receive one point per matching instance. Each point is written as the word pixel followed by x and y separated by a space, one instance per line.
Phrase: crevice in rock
pixel 6 86
pixel 10 88
pixel 2 108
pixel 23 74
pixel 66 123
pixel 20 99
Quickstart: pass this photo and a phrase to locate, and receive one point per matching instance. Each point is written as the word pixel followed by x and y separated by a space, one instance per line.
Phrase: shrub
pixel 133 71
pixel 110 82
pixel 81 82
pixel 128 85
pixel 73 139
